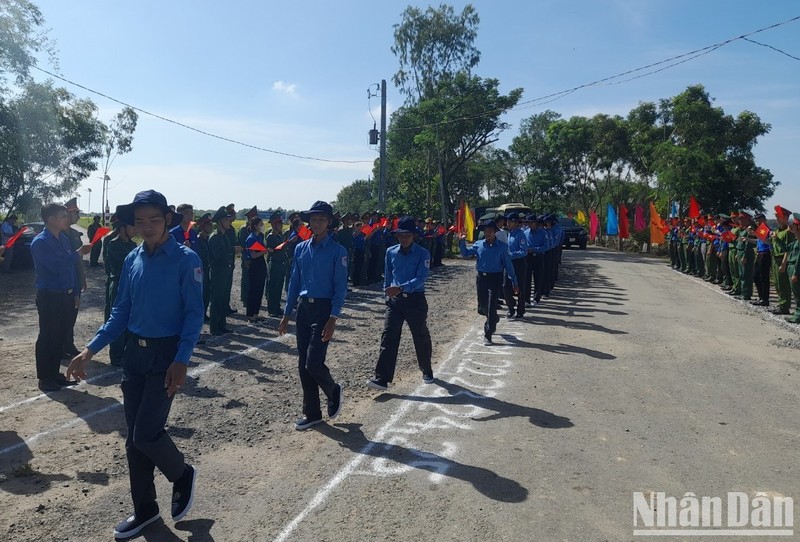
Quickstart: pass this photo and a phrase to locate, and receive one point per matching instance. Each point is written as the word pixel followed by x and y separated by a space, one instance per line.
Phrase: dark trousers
pixel 277 276
pixel 257 277
pixel 375 263
pixel 314 374
pixel 438 254
pixel 358 266
pixel 490 288
pixel 538 276
pixel 762 274
pixel 526 286
pixel 94 255
pixel 146 409
pixel 71 315
pixel 245 281
pixel 54 309
pixel 117 347
pixel 515 305
pixel 547 272
pixel 413 309
pixel 219 298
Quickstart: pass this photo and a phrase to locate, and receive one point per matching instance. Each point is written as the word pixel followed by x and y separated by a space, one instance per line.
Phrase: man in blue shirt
pixel 184 233
pixel 493 258
pixel 56 283
pixel 319 279
pixel 407 267
pixel 763 265
pixel 537 246
pixel 160 303
pixel 518 250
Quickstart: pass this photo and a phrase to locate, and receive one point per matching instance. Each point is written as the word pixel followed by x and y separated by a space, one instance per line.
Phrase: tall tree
pixel 433 46
pixel 22 37
pixel 117 140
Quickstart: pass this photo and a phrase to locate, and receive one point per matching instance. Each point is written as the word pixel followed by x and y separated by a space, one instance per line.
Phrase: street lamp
pixel 89 204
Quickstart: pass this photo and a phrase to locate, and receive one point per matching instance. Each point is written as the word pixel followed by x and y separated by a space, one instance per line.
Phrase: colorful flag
pixel 728 236
pixel 366 229
pixel 186 233
pixel 304 233
pixel 612 226
pixel 657 227
pixel 581 218
pixel 17 234
pixel 638 218
pixel 258 247
pixel 762 232
pixel 694 208
pixel 469 222
pixel 101 231
pixel 623 222
pixel 594 224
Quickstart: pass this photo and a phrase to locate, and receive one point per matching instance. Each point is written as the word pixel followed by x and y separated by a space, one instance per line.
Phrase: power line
pixel 771 47
pixel 199 131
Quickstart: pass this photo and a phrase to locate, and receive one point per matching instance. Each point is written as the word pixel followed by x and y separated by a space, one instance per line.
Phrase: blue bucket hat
pixel 488 224
pixel 318 207
pixel 147 197
pixel 407 224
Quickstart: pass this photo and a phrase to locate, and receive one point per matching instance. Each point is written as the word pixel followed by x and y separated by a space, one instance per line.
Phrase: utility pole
pixel 382 179
pixel 89 205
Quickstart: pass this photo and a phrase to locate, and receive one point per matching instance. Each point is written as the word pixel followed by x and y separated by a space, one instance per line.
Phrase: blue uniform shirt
pixel 250 241
pixel 180 236
pixel 761 246
pixel 159 296
pixel 408 271
pixel 491 258
pixel 54 260
pixel 359 241
pixel 319 270
pixel 378 236
pixel 537 240
pixel 517 244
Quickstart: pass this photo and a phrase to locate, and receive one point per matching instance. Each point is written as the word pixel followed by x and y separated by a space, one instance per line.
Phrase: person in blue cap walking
pixel 493 259
pixel 160 303
pixel 518 250
pixel 407 266
pixel 319 280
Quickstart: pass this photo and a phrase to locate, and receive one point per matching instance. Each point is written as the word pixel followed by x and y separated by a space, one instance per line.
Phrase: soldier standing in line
pixel 237 248
pixel 359 254
pixel 733 257
pixel 97 248
pixel 241 237
pixel 183 233
pixel 762 268
pixel 745 250
pixel 781 239
pixel 344 236
pixel 73 214
pixel 206 226
pixel 221 258
pixel 278 262
pixel 117 250
pixel 793 265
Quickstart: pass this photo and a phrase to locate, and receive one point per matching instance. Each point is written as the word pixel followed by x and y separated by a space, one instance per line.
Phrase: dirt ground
pixel 63 473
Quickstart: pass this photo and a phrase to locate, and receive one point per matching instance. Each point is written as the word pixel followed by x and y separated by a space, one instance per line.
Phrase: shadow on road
pixel 487 482
pixel 199 530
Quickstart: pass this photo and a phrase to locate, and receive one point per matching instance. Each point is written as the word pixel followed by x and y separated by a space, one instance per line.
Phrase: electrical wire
pixel 199 131
pixel 771 47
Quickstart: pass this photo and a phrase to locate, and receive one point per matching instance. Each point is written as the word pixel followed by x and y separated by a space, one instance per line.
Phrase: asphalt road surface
pixel 630 378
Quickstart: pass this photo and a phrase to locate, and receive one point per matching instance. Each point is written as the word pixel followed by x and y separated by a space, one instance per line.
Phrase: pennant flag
pixel 612 226
pixel 594 224
pixel 581 218
pixel 638 218
pixel 728 236
pixel 257 247
pixel 186 233
pixel 623 222
pixel 763 231
pixel 101 231
pixel 782 213
pixel 304 233
pixel 384 221
pixel 469 222
pixel 657 226
pixel 694 208
pixel 17 234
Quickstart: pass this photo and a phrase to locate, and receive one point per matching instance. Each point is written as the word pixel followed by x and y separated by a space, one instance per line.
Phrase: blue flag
pixel 612 226
pixel 674 210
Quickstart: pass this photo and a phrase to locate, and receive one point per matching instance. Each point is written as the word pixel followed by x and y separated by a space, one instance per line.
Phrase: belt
pixel 410 294
pixel 146 342
pixel 484 274
pixel 56 291
pixel 313 300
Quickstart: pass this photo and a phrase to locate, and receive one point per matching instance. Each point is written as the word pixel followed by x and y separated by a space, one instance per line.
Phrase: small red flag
pixel 366 229
pixel 728 236
pixel 13 238
pixel 762 232
pixel 258 247
pixel 384 221
pixel 279 247
pixel 304 233
pixel 694 207
pixel 99 234
pixel 186 233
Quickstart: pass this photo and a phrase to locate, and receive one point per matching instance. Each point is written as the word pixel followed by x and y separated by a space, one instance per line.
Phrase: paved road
pixel 633 378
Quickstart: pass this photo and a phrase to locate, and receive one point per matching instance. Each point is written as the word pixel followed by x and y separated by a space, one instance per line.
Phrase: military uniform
pixel 780 247
pixel 115 253
pixel 733 260
pixel 241 237
pixel 202 251
pixel 278 263
pixel 793 268
pixel 221 258
pixel 72 315
pixel 745 250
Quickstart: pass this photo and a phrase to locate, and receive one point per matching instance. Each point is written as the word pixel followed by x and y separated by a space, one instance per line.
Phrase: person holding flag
pixel 780 240
pixel 763 263
pixel 255 252
pixel 184 233
pixel 492 259
pixel 206 226
pixel 97 248
pixel 116 250
pixel 745 251
pixel 241 237
pixel 406 269
pixel 278 264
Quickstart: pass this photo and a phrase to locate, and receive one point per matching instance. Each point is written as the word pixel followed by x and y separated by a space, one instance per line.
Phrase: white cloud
pixel 286 88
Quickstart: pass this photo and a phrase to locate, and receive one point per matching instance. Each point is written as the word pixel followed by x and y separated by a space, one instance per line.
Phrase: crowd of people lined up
pixel 738 251
pixel 160 292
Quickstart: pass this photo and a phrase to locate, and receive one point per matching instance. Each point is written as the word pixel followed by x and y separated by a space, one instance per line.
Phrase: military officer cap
pixel 760 216
pixel 221 213
pixel 796 218
pixel 723 216
pixel 116 222
pixel 744 213
pixel 252 212
pixel 72 205
pixel 532 218
pixel 276 215
pixel 487 224
pixel 488 216
pixel 293 216
pixel 205 219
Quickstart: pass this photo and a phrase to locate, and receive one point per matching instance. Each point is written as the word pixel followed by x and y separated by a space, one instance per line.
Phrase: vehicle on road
pixel 22 247
pixel 574 233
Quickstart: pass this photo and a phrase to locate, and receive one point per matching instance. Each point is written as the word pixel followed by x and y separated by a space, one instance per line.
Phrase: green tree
pixel 22 37
pixel 357 197
pixel 117 140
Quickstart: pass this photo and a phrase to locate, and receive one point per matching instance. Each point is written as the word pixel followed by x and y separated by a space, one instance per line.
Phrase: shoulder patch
pixel 198 274
pixel 344 261
pixel 428 264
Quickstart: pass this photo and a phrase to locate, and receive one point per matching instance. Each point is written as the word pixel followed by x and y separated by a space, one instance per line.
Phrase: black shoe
pixel 760 303
pixel 61 380
pixel 304 423
pixel 335 404
pixel 232 311
pixel 130 527
pixel 428 378
pixel 510 314
pixel 183 493
pixel 222 331
pixel 780 311
pixel 487 341
pixel 49 384
pixel 377 384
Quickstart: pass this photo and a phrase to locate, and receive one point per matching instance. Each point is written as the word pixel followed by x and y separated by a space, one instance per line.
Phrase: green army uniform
pixel 700 263
pixel 712 262
pixel 780 246
pixel 278 267
pixel 221 258
pixel 793 269
pixel 234 241
pixel 115 252
pixel 245 265
pixel 733 263
pixel 345 238
pixel 746 252
pixel 681 249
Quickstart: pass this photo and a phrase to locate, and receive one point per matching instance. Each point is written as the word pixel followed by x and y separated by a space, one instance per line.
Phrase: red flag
pixel 694 207
pixel 101 231
pixel 440 230
pixel 279 247
pixel 460 218
pixel 366 229
pixel 395 223
pixel 623 222
pixel 781 212
pixel 304 233
pixel 728 236
pixel 384 221
pixel 702 221
pixel 13 238
pixel 762 232
pixel 186 233
pixel 258 247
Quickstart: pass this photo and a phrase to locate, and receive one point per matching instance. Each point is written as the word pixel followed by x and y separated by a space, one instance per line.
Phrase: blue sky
pixel 293 77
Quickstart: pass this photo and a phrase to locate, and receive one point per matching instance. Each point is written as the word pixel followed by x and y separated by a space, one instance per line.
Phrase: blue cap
pixel 147 197
pixel 407 224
